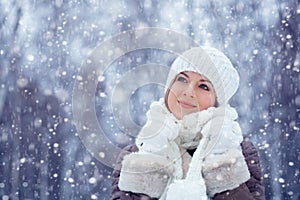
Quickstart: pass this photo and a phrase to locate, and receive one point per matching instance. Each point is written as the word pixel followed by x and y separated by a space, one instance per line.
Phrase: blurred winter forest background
pixel 44 43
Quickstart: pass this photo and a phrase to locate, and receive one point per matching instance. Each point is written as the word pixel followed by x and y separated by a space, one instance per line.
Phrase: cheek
pixel 173 105
pixel 171 100
pixel 173 93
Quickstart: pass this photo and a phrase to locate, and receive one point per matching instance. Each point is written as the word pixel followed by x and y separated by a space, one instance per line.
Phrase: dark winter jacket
pixel 252 189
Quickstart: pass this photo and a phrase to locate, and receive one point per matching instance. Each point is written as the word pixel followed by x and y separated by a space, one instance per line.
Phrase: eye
pixel 204 87
pixel 182 79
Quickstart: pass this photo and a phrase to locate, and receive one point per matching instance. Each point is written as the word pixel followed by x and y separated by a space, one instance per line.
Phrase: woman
pixel 191 146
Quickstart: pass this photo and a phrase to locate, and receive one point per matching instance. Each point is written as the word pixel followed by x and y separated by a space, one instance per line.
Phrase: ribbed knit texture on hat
pixel 211 63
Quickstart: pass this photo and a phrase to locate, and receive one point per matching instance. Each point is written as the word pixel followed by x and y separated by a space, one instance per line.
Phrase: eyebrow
pixel 202 80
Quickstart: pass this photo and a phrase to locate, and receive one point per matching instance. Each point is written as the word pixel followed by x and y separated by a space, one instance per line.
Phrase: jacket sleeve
pixel 116 193
pixel 255 183
pixel 253 189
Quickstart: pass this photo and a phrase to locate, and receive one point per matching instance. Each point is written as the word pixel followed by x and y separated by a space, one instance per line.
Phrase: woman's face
pixel 190 92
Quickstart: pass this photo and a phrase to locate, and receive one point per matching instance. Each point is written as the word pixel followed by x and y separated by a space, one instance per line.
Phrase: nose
pixel 189 91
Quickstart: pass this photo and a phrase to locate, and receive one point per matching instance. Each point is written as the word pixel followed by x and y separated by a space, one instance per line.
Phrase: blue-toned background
pixel 42 46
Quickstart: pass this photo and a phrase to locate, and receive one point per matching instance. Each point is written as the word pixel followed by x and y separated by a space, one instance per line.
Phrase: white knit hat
pixel 211 63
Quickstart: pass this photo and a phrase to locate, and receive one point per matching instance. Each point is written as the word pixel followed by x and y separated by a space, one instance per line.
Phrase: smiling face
pixel 189 93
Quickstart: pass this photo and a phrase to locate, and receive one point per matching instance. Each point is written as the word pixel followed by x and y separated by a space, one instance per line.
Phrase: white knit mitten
pixel 224 167
pixel 224 111
pixel 195 120
pixel 190 127
pixel 161 128
pixel 223 130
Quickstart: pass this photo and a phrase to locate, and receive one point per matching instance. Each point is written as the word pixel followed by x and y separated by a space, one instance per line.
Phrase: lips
pixel 186 105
